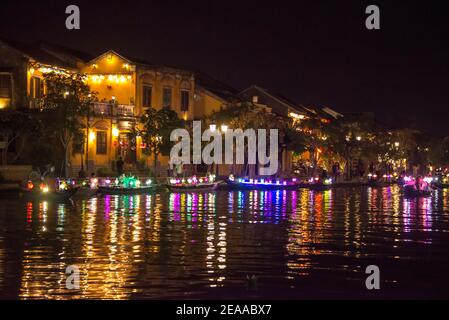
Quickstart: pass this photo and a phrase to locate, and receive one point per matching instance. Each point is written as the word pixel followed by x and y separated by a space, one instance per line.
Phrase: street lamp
pixel 91 136
pixel 213 127
pixel 358 138
pixel 224 128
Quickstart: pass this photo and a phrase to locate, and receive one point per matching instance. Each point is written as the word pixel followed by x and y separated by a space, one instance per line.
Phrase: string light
pixel 117 78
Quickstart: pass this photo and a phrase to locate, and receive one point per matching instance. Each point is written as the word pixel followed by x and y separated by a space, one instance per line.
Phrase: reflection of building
pixel 125 88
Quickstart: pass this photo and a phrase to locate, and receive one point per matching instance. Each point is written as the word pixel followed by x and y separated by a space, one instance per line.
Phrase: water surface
pixel 297 244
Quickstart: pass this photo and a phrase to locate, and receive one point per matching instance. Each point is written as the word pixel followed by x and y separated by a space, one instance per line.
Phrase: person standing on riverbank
pixel 119 164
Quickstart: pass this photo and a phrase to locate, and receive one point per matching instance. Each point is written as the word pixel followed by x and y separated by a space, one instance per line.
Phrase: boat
pixel 63 190
pixel 193 184
pixel 373 180
pixel 263 183
pixel 318 184
pixel 125 185
pixel 88 188
pixel 410 192
pixel 86 192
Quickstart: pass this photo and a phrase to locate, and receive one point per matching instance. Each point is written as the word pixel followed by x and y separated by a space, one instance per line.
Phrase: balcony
pixel 113 110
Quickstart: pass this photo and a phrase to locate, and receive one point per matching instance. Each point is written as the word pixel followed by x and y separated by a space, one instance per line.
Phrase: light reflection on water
pixel 298 244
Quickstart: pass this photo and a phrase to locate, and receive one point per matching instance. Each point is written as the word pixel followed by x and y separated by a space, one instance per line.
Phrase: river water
pixel 292 244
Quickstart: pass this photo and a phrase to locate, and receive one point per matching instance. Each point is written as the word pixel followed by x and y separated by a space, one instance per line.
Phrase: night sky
pixel 315 52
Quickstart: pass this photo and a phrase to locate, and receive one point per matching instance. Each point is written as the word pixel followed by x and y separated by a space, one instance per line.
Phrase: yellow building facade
pixel 124 90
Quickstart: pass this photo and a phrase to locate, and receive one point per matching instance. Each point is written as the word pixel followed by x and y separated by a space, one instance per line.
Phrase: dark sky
pixel 315 52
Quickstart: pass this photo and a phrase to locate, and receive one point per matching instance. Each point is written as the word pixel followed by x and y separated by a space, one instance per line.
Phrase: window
pixel 184 100
pixel 5 86
pixel 146 95
pixel 101 142
pixel 255 99
pixel 166 97
pixel 36 87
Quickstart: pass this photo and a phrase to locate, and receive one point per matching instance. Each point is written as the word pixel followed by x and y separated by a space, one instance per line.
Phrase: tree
pixel 157 127
pixel 353 136
pixel 68 98
pixel 245 115
pixel 444 151
pixel 14 126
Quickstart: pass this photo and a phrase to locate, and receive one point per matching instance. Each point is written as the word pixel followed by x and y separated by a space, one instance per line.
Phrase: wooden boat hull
pixel 198 188
pixel 84 192
pixel 114 190
pixel 50 196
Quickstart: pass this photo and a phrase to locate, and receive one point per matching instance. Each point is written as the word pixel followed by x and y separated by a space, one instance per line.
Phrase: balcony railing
pixel 124 110
pixel 110 109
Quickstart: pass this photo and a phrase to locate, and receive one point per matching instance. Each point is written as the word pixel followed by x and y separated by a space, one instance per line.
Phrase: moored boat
pixel 60 191
pixel 411 192
pixel 193 184
pixel 319 184
pixel 417 187
pixel 263 183
pixel 126 185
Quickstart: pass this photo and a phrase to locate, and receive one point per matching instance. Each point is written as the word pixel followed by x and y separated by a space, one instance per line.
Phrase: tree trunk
pixel 87 150
pixel 66 162
pixel 155 171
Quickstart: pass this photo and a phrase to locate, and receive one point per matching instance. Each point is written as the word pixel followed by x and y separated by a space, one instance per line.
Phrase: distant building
pixel 285 107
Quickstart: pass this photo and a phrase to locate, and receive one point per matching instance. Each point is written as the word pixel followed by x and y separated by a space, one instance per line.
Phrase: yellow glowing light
pixel 32 70
pixel 358 138
pixel 3 103
pixel 115 132
pixel 224 128
pixel 212 127
pixel 396 144
pixel 91 136
pixel 296 116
